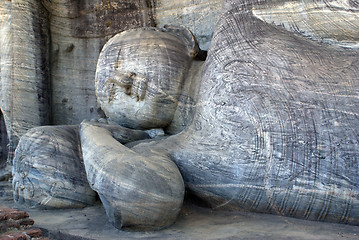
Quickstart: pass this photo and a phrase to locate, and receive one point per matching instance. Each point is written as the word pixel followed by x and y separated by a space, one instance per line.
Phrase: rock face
pixel 140 75
pixel 200 16
pixel 25 96
pixel 5 89
pixel 138 193
pixel 275 128
pixel 48 169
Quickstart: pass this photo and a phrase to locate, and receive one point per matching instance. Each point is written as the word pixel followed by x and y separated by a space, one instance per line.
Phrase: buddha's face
pixel 139 77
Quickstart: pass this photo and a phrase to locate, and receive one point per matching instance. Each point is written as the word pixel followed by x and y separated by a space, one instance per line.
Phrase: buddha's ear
pixel 188 39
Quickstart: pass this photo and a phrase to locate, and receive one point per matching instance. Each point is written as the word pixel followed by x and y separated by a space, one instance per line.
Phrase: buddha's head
pixel 140 73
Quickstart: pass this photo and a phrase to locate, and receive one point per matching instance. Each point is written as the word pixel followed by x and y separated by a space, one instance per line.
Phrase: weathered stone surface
pixel 121 134
pixel 5 76
pixel 79 29
pixel 4 141
pixel 57 44
pixel 200 16
pixel 48 169
pixel 71 34
pixel 25 101
pixel 193 223
pixel 187 99
pixel 139 192
pixel 140 75
pixel 334 21
pixel 275 128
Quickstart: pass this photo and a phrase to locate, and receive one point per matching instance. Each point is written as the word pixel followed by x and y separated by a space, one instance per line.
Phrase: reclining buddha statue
pixel 267 123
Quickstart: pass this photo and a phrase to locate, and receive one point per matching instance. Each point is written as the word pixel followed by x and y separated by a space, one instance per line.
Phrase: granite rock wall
pixel 25 82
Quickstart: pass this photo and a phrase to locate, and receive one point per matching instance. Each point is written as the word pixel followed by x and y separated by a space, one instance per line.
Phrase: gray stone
pixel 275 129
pixel 50 48
pixel 140 75
pixel 56 43
pixel 25 85
pixel 48 169
pixel 5 87
pixel 200 16
pixel 193 222
pixel 79 29
pixel 139 192
pixel 275 126
pixel 303 17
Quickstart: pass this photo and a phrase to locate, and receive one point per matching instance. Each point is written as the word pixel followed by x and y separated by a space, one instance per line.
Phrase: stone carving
pixel 53 46
pixel 303 17
pixel 274 131
pixel 24 68
pixel 275 125
pixel 147 192
pixel 78 32
pixel 49 171
pixel 140 75
pixel 48 167
pixel 138 192
pixel 200 16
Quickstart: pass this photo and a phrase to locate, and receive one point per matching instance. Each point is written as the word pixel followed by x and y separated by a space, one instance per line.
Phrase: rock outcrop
pixel 199 16
pixel 341 26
